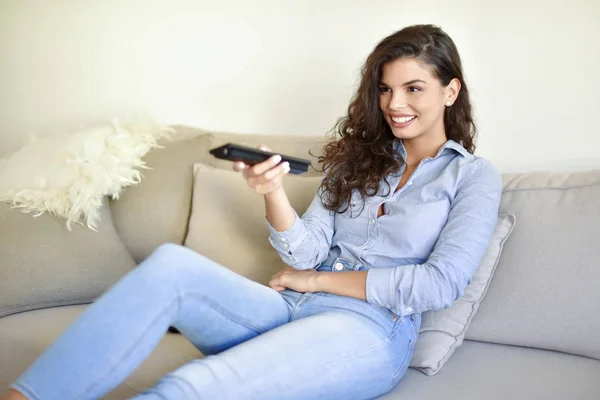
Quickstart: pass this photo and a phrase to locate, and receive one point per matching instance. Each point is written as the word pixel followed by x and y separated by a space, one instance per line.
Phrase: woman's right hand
pixel 265 177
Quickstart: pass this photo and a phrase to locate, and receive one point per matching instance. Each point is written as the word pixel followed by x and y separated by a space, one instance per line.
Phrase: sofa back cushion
pixel 42 264
pixel 157 210
pixel 546 290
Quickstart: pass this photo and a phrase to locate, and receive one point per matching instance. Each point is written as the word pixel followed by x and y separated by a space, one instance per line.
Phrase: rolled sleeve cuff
pixel 287 242
pixel 381 290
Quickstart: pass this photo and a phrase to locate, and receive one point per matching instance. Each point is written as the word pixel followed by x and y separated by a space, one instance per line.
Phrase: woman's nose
pixel 398 101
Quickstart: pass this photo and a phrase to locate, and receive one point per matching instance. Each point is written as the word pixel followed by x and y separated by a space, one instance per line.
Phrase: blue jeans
pixel 258 343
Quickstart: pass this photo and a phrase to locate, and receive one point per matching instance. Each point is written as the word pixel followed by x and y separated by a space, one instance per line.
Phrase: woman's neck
pixel 422 147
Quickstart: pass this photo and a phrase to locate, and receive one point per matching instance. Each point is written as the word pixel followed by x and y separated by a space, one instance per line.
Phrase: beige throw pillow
pixel 228 224
pixel 443 331
pixel 43 265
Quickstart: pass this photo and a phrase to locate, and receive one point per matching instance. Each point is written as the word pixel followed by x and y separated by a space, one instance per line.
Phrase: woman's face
pixel 412 100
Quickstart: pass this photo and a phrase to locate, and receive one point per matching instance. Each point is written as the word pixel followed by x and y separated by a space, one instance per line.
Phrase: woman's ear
pixel 451 91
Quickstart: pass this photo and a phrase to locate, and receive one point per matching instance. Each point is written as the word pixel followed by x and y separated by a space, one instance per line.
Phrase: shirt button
pixel 283 240
pixel 338 266
pixel 409 310
pixel 285 245
pixel 372 220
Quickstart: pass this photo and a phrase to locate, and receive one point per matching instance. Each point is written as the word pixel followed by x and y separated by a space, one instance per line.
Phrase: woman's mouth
pixel 402 122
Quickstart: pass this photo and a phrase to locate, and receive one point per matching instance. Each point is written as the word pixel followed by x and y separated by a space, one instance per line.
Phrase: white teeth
pixel 402 120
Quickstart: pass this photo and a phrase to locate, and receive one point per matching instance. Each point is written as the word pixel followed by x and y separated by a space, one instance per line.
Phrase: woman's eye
pixel 383 89
pixel 413 89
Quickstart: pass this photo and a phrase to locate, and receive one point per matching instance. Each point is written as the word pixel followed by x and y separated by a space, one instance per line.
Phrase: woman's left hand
pixel 299 281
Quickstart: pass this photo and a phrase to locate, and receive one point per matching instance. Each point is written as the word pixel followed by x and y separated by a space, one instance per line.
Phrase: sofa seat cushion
pixel 479 370
pixel 476 370
pixel 23 337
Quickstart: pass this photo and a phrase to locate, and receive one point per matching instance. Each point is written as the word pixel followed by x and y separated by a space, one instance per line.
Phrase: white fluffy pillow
pixel 69 175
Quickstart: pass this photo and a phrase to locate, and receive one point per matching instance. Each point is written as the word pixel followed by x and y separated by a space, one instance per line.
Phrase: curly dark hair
pixel 360 152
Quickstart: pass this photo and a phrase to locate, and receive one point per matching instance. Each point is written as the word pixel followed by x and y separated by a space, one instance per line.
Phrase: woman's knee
pixel 172 261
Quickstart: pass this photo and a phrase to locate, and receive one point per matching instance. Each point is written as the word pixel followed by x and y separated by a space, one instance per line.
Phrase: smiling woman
pixel 414 77
pixel 399 225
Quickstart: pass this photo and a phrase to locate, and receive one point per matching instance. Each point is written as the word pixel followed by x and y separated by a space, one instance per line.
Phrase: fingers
pixel 270 180
pixel 278 288
pixel 261 168
pixel 239 166
pixel 277 280
pixel 266 176
pixel 275 283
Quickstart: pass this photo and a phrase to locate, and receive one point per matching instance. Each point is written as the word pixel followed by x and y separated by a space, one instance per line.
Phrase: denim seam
pixel 302 300
pixel 118 362
pixel 409 350
pixel 223 311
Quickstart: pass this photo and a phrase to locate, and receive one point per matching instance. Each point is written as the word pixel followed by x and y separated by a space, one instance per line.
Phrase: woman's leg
pixel 335 353
pixel 212 306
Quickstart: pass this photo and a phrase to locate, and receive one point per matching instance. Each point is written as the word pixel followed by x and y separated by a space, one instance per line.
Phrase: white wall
pixel 290 66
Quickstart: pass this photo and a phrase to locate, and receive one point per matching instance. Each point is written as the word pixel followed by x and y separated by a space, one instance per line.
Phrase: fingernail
pixel 286 166
pixel 277 159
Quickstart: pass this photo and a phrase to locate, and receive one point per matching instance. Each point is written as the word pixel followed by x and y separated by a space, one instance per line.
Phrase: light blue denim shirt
pixel 423 251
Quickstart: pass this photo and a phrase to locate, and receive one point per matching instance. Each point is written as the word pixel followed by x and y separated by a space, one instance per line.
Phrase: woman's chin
pixel 404 134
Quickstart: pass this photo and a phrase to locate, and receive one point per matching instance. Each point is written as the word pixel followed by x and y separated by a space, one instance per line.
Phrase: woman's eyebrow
pixel 405 83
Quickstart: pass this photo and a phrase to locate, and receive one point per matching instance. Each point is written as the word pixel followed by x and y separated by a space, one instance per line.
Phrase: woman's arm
pixel 439 281
pixel 302 243
pixel 306 241
pixel 280 214
pixel 462 243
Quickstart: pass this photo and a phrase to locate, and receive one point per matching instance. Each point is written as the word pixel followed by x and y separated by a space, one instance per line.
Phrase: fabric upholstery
pixel 157 210
pixel 23 337
pixel 42 264
pixel 485 371
pixel 444 330
pixel 476 371
pixel 228 223
pixel 546 290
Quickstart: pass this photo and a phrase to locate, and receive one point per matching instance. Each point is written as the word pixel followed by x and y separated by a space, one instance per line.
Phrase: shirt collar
pixel 448 146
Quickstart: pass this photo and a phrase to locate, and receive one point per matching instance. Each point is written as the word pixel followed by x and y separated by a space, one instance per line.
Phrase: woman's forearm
pixel 280 213
pixel 349 284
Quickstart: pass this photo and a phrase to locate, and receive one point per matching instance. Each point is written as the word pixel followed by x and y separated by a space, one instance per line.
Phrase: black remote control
pixel 250 156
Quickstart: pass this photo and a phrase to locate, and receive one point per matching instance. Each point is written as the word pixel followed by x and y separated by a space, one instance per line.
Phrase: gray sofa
pixel 535 336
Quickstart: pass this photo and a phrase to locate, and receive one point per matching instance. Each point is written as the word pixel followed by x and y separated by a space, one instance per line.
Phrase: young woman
pixel 399 225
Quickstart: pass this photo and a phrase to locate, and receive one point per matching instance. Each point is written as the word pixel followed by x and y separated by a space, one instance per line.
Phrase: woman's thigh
pixel 332 353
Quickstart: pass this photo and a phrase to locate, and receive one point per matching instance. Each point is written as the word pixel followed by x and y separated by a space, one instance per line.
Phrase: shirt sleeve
pixel 307 242
pixel 462 243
